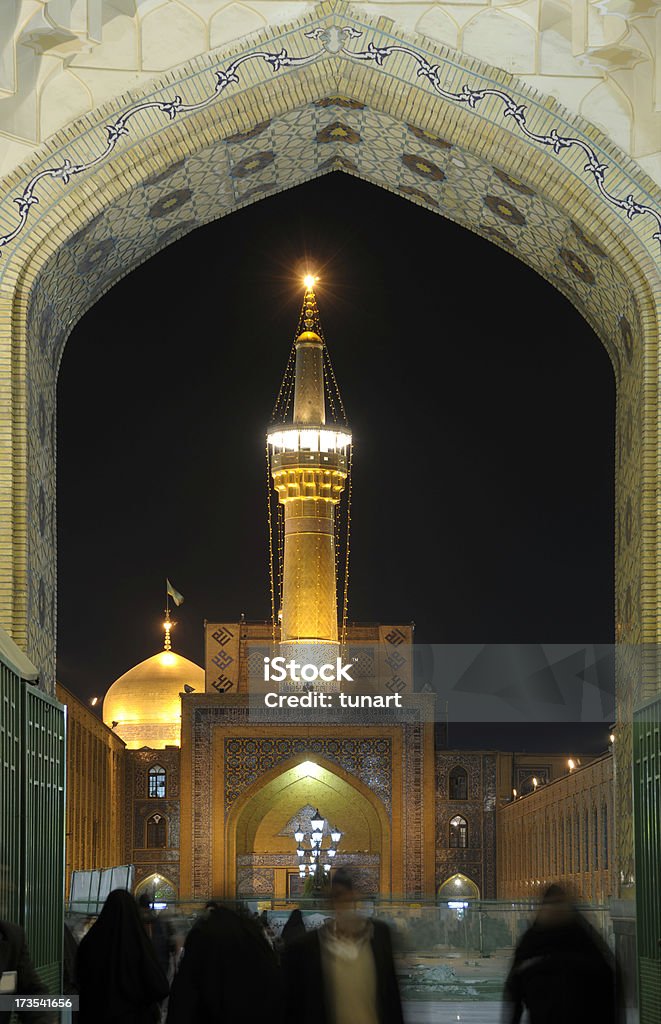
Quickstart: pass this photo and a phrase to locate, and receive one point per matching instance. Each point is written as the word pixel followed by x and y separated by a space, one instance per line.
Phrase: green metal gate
pixel 32 781
pixel 647 823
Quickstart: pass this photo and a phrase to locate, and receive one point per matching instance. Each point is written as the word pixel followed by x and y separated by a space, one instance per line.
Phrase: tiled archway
pixel 328 93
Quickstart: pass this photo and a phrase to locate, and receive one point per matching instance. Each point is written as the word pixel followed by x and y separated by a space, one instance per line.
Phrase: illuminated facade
pixel 213 797
pixel 95 790
pixel 561 832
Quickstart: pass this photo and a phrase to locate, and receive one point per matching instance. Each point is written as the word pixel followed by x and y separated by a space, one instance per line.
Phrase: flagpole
pixel 166 644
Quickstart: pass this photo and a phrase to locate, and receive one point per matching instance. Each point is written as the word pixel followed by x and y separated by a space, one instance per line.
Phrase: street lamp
pixel 314 859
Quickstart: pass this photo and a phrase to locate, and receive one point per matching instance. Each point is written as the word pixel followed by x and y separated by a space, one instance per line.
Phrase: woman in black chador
pixel 294 929
pixel 563 973
pixel 117 972
pixel 228 973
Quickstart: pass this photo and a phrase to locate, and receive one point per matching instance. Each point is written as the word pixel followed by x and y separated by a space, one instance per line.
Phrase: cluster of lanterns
pixel 315 859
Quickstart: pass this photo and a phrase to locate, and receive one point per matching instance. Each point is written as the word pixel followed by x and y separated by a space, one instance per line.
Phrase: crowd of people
pixel 129 968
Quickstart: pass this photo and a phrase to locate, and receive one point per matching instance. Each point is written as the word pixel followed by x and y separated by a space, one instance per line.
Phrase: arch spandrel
pixel 277 125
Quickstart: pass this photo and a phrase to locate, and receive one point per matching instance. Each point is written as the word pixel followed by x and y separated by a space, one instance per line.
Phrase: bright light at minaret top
pixel 309 281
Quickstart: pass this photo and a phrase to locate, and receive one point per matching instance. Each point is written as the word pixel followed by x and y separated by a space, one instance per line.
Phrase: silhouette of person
pixel 562 973
pixel 119 978
pixel 17 971
pixel 294 929
pixel 15 959
pixel 228 973
pixel 343 972
pixel 159 931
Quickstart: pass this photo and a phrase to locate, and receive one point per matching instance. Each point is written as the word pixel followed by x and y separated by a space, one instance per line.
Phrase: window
pixel 458 784
pixel 586 841
pixel 458 833
pixel 156 781
pixel 604 836
pixel 157 832
pixel 595 839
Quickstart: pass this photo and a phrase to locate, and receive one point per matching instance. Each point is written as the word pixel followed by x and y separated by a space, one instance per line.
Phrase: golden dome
pixel 145 702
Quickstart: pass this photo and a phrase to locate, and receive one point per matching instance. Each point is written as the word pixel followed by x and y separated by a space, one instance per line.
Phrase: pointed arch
pixel 458 886
pixel 458 832
pixel 157 887
pixel 156 782
pixel 156 831
pixel 249 809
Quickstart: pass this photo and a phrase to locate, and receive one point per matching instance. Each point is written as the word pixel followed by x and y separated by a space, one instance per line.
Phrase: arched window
pixel 157 832
pixel 595 838
pixel 604 836
pixel 458 783
pixel 157 888
pixel 586 842
pixel 458 833
pixel 458 887
pixel 156 781
pixel 570 850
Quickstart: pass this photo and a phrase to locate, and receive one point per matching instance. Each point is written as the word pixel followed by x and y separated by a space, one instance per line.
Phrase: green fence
pixel 647 820
pixel 32 782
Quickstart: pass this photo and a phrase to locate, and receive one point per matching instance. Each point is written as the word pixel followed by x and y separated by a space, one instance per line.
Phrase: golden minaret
pixel 309 470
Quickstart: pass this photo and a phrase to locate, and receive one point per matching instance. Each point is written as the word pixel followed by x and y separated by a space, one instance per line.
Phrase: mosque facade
pixel 212 794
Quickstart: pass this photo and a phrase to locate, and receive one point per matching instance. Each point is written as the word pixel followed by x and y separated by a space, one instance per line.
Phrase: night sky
pixel 482 407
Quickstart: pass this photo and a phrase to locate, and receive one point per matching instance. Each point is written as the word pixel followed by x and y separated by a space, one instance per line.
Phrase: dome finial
pixel 167 626
pixel 309 318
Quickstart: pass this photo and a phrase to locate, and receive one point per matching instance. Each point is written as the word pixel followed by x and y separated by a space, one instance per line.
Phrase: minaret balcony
pixel 312 440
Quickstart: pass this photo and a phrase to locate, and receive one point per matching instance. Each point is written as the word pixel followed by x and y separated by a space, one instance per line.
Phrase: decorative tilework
pixel 170 202
pixel 333 40
pixel 478 860
pixel 340 101
pixel 254 881
pixel 429 138
pixel 339 163
pixel 302 821
pixel 577 265
pixel 338 132
pixel 251 164
pixel 369 759
pixel 497 236
pixel 589 243
pixel 504 209
pixel 424 167
pixel 252 133
pixel 245 759
pixel 514 183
